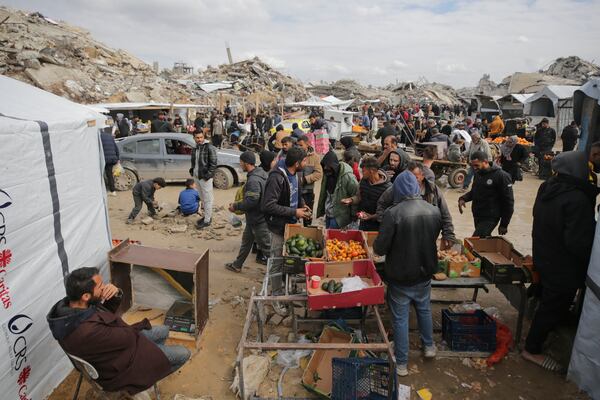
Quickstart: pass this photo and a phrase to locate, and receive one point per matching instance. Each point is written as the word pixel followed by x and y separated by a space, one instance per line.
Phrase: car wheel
pixel 223 178
pixel 457 177
pixel 126 180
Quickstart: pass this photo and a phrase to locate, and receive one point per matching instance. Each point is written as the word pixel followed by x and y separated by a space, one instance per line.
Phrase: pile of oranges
pixel 341 250
pixel 502 139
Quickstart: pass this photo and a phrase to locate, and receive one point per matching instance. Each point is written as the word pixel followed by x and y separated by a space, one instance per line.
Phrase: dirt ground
pixel 208 374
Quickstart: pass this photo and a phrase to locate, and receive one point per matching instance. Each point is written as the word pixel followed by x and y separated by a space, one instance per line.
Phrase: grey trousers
pixel 177 355
pixel 253 233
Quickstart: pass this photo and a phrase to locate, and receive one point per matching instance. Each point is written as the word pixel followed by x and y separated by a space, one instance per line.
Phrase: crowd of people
pixel 390 193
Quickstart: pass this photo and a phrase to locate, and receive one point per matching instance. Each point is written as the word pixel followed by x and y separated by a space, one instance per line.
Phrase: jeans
pixel 137 207
pixel 177 355
pixel 468 178
pixel 552 310
pixel 485 226
pixel 331 223
pixel 253 233
pixel 399 299
pixel 110 179
pixel 205 189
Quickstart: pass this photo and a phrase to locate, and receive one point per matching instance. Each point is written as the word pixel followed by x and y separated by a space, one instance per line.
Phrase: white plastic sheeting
pixel 52 220
pixel 584 368
pixel 586 112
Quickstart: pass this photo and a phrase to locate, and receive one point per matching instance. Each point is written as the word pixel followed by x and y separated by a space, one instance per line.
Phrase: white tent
pixel 329 102
pixel 52 220
pixel 586 112
pixel 553 102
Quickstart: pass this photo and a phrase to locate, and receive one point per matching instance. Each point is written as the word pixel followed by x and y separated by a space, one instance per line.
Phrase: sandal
pixel 233 268
pixel 548 364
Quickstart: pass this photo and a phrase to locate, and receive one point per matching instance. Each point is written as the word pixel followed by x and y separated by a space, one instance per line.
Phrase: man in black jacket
pixel 492 197
pixel 282 202
pixel 143 192
pixel 563 234
pixel 256 227
pixel 204 165
pixel 111 158
pixel 407 237
pixel 543 140
pixel 569 136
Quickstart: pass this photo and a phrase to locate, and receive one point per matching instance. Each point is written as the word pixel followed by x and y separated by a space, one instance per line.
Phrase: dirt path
pixel 209 373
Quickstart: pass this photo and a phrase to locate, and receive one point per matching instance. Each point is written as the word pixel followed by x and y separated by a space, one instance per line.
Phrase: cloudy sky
pixel 375 42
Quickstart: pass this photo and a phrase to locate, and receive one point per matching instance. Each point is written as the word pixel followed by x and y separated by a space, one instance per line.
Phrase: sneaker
pixel 202 225
pixel 402 370
pixel 113 194
pixel 430 351
pixel 233 268
pixel 129 221
pixel 261 259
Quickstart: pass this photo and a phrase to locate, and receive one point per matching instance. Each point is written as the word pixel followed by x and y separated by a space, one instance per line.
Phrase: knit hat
pixel 266 157
pixel 248 157
pixel 406 185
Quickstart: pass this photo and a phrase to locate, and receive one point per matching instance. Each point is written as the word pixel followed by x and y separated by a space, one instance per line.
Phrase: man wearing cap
pixel 256 227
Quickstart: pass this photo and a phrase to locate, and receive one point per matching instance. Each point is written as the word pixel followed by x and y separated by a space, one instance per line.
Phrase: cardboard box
pixel 292 263
pixel 370 237
pixel 345 236
pixel 467 269
pixel 500 262
pixel 318 299
pixel 317 376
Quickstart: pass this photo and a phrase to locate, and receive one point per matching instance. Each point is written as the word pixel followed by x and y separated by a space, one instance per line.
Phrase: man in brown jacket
pixel 128 358
pixel 311 173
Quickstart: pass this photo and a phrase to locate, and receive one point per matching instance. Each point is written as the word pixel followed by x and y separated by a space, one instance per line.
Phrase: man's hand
pixel 445 244
pixel 303 213
pixel 231 208
pixel 347 201
pixel 109 291
pixel 390 173
pixel 461 205
pixel 502 230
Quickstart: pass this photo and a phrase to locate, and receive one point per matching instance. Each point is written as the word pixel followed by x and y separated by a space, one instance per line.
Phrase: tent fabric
pixel 53 220
pixel 584 368
pixel 586 112
pixel 553 92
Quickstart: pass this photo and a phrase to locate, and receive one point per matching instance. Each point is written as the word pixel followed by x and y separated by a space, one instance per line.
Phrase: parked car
pixel 149 155
pixel 303 124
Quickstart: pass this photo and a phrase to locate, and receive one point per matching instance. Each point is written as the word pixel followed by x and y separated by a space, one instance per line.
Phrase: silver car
pixel 168 155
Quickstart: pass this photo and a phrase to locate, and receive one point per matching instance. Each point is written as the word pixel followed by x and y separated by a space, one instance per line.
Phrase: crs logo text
pixel 5 252
pixel 14 332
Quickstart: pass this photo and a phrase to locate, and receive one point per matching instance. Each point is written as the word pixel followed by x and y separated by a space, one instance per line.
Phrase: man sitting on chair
pixel 128 358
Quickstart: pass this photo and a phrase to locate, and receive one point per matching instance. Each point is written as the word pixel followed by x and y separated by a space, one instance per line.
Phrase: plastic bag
pixel 117 169
pixel 235 221
pixel 353 284
pixel 291 358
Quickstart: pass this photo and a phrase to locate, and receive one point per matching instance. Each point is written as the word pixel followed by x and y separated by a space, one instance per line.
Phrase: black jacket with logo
pixel 407 237
pixel 275 202
pixel 253 192
pixel 492 195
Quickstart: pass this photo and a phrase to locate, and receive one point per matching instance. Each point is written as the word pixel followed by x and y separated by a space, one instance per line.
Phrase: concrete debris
pixel 256 368
pixel 178 228
pixel 147 221
pixel 573 67
pixel 67 61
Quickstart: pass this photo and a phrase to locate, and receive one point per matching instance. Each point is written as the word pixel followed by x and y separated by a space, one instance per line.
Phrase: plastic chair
pixel 87 371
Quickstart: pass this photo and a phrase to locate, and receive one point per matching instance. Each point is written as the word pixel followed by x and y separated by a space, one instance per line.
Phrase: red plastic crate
pixel 318 299
pixel 339 234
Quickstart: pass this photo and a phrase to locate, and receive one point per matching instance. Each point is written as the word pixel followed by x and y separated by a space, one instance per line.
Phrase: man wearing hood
pixel 372 185
pixel 128 358
pixel 563 234
pixel 123 127
pixel 407 237
pixel 256 227
pixel 492 197
pixel 338 183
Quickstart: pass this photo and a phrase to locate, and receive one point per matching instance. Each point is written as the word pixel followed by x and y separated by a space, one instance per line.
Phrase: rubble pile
pixel 573 67
pixel 67 61
pixel 347 89
pixel 253 77
pixel 410 92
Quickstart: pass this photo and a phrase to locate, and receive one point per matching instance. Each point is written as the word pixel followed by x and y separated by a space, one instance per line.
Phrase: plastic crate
pixel 361 378
pixel 474 331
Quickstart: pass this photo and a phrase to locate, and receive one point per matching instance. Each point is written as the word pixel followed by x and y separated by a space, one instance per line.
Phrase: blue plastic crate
pixel 474 331
pixel 361 378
